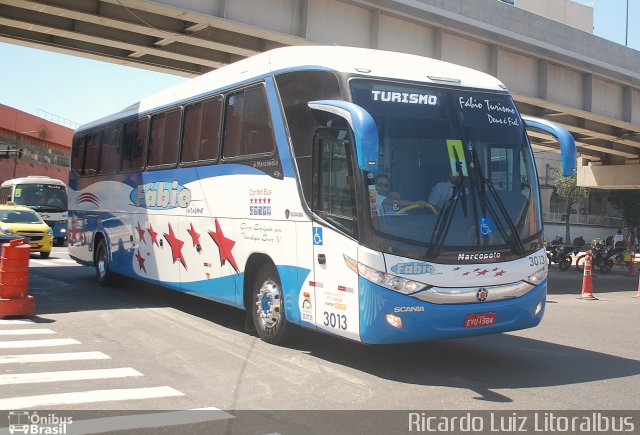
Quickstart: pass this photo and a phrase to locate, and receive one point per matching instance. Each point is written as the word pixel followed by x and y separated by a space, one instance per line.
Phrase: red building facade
pixel 30 145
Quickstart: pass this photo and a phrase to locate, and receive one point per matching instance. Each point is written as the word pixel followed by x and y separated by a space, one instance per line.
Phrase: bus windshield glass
pixel 41 197
pixel 458 169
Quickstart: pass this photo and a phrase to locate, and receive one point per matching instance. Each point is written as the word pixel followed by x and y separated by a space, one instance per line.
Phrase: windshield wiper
pixel 482 180
pixel 443 223
pixel 445 218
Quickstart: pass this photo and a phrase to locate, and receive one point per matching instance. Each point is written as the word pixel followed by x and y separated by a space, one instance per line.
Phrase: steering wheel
pixel 414 206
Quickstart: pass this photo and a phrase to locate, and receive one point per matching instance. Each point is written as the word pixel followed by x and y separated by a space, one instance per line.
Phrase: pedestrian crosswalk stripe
pixel 17 344
pixel 67 375
pixel 74 398
pixel 6 332
pixel 52 357
pixel 15 321
pixel 127 423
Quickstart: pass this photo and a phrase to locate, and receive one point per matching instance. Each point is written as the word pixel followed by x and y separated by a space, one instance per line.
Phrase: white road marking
pixel 41 401
pixel 52 357
pixel 152 420
pixel 67 375
pixel 15 321
pixel 26 332
pixel 21 344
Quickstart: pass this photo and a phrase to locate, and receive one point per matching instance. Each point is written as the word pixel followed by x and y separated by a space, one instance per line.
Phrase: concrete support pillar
pixel 304 18
pixel 375 28
pixel 627 101
pixel 587 92
pixel 543 78
pixel 437 43
pixel 494 61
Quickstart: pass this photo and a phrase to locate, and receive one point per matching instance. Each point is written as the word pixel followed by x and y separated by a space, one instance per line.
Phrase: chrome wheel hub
pixel 268 305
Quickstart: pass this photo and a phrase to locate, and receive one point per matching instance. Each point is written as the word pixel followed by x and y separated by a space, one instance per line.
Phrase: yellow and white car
pixel 18 220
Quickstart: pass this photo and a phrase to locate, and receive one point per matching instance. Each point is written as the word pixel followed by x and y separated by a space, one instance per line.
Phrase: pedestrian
pixel 618 239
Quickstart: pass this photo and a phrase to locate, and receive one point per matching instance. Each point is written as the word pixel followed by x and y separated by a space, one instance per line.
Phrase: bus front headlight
pixel 392 282
pixel 537 277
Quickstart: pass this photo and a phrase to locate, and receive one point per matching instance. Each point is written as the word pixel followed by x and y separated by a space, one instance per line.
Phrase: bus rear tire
pixel 103 275
pixel 267 306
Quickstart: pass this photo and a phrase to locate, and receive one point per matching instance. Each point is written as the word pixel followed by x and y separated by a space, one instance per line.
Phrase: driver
pixel 442 191
pixel 388 202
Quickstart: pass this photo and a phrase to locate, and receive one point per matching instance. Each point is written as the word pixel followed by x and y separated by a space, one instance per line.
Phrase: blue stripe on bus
pixel 439 321
pixel 183 175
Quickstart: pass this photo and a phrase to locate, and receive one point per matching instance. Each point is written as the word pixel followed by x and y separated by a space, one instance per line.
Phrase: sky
pixel 52 85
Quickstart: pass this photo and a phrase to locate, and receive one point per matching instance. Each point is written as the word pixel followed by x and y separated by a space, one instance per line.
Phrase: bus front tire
pixel 268 306
pixel 103 275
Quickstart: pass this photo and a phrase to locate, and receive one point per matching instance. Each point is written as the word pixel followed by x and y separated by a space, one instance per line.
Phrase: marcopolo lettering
pixel 161 195
pixel 413 268
pixel 479 256
pixel 404 97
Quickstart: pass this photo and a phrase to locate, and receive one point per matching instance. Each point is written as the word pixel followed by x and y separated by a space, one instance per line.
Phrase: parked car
pixel 18 220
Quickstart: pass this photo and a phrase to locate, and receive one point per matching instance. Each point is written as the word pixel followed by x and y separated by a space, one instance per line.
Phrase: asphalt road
pixel 162 351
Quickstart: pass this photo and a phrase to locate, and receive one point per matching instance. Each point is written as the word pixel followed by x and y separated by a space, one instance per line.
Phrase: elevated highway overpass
pixel 590 85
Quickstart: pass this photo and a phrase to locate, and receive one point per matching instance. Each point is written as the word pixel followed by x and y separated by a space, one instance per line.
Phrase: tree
pixel 566 188
pixel 627 201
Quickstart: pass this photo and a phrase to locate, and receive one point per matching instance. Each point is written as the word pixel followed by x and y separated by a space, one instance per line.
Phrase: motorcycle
pixel 561 255
pixel 599 258
pixel 615 257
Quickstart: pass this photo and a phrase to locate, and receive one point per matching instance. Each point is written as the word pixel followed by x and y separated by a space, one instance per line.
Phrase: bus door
pixel 333 232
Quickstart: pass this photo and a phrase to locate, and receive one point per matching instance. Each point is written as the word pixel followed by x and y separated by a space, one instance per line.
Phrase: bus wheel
pixel 103 275
pixel 268 306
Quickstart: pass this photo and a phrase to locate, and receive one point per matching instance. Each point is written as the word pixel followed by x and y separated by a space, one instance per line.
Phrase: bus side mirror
pixel 364 129
pixel 567 144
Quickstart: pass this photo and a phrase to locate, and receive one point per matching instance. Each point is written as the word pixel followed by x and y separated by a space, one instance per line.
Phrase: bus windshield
pixel 41 197
pixel 459 170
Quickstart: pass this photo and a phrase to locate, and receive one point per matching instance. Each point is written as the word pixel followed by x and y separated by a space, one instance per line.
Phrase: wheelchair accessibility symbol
pixel 486 226
pixel 317 236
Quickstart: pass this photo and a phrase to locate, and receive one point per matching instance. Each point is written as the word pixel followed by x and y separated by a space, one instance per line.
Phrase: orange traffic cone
pixel 587 280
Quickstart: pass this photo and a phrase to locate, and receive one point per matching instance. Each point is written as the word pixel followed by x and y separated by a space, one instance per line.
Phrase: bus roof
pixel 367 62
pixel 33 179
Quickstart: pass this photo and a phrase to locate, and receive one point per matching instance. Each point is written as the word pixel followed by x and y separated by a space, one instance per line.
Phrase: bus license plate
pixel 476 320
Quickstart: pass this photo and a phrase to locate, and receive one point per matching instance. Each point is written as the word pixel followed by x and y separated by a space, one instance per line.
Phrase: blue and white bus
pixel 255 185
pixel 47 196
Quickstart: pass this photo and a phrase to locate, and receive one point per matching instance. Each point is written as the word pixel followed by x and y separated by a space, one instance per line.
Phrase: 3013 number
pixel 335 320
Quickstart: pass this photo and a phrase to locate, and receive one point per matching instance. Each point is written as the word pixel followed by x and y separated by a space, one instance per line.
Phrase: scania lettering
pixel 255 185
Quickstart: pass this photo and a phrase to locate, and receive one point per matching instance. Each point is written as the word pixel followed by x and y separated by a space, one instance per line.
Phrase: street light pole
pixel 626 32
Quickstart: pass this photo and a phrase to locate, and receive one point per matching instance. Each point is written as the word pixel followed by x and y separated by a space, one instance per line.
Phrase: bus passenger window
pixel 77 154
pixel 110 151
pixel 201 131
pixel 163 145
pixel 210 130
pixel 92 154
pixel 191 132
pixel 248 129
pixel 133 143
